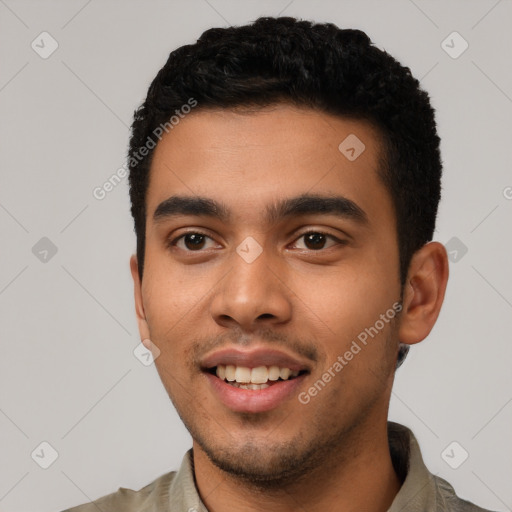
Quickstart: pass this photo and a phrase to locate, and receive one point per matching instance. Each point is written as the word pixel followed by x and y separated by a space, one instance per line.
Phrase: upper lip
pixel 253 358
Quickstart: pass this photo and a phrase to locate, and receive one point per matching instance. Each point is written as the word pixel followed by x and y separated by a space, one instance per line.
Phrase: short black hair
pixel 307 64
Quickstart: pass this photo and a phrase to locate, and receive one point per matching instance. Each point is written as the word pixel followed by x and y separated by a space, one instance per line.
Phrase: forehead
pixel 247 160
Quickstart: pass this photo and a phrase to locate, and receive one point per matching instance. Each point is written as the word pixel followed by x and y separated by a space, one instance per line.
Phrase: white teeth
pixel 273 373
pixel 221 371
pixel 243 376
pixel 230 372
pixel 259 375
pixel 284 373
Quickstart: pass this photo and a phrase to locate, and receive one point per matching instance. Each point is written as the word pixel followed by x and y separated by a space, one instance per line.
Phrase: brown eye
pixel 316 240
pixel 190 242
pixel 194 241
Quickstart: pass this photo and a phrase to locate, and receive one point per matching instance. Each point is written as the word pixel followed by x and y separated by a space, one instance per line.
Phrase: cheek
pixel 166 306
pixel 172 292
pixel 358 306
pixel 350 298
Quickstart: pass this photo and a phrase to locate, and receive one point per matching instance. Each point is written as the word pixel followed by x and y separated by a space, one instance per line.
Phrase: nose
pixel 252 295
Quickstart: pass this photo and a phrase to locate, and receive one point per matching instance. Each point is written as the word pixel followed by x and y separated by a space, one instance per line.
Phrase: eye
pixel 193 241
pixel 316 240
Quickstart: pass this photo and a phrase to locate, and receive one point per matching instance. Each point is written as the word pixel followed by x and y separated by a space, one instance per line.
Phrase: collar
pixel 418 491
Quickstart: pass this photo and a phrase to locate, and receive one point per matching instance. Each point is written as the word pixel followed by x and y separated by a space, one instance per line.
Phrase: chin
pixel 263 465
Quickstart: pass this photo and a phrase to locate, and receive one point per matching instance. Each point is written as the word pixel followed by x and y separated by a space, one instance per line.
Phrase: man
pixel 285 179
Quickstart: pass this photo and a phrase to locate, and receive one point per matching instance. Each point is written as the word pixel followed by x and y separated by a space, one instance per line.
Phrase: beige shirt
pixel 176 491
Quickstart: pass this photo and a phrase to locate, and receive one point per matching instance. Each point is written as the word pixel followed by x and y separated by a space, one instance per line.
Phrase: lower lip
pixel 254 400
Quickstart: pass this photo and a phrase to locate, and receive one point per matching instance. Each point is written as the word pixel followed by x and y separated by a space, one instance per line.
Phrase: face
pixel 244 284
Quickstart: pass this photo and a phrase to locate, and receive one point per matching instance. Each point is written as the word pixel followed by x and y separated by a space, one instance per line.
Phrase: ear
pixel 139 306
pixel 424 292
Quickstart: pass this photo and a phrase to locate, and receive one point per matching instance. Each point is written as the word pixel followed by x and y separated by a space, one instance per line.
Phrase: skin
pixel 332 453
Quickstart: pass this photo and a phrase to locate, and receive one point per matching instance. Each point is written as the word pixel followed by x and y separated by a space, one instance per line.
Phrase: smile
pixel 261 377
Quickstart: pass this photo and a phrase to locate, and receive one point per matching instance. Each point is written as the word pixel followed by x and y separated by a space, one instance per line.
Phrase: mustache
pixel 202 346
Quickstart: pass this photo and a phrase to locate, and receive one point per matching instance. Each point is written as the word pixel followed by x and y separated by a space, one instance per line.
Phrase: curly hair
pixel 313 65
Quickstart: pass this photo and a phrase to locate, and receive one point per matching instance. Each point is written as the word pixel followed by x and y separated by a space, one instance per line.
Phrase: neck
pixel 363 480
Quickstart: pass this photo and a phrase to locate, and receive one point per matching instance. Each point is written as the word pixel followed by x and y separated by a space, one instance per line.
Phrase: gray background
pixel 68 375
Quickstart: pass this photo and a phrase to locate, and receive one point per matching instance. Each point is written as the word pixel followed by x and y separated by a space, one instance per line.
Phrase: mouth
pixel 257 378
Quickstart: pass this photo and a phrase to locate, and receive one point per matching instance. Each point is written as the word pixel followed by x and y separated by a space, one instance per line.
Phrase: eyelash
pixel 172 242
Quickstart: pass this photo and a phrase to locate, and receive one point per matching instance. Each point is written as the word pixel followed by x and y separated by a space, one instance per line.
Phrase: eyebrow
pixel 305 204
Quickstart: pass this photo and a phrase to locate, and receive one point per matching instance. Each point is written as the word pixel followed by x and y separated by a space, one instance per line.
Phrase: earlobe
pixel 424 292
pixel 139 305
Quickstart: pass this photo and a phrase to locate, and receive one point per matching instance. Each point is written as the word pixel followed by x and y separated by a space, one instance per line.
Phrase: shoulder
pixel 448 501
pixel 154 496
